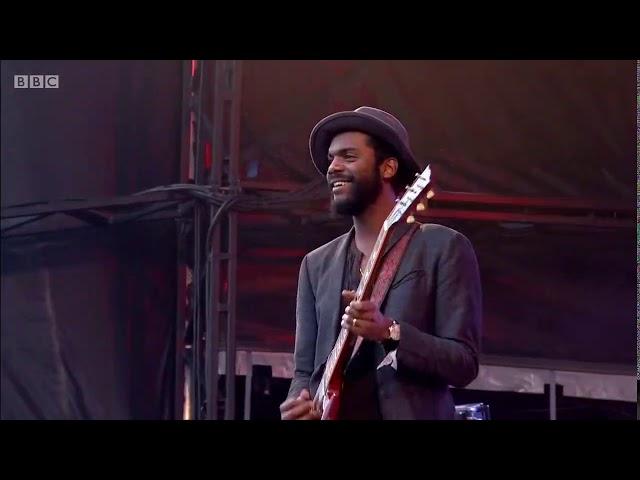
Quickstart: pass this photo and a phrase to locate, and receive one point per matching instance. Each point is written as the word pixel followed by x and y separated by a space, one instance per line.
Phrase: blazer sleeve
pixel 306 331
pixel 451 354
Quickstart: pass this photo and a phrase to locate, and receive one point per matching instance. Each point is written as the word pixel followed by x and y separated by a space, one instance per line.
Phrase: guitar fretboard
pixel 339 346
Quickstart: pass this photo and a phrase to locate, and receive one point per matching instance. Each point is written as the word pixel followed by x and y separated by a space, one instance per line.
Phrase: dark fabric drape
pixel 89 313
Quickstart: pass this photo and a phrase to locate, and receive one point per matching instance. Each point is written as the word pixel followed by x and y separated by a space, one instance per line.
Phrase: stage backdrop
pixel 88 314
pixel 518 128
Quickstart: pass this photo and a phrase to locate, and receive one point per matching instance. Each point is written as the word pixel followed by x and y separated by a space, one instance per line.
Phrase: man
pixel 428 332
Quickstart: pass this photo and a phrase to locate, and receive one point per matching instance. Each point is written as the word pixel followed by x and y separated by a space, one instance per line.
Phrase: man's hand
pixel 364 319
pixel 300 408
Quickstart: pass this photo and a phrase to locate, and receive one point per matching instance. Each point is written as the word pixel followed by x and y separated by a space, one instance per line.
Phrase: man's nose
pixel 336 165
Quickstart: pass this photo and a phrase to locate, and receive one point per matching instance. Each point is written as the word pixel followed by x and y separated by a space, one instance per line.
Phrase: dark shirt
pixel 360 391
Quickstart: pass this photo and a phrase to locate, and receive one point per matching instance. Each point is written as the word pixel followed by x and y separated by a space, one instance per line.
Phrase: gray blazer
pixel 435 297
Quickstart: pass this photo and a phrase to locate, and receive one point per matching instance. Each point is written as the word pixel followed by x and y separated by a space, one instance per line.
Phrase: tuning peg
pixel 417 175
pixel 420 207
pixel 430 194
pixel 411 219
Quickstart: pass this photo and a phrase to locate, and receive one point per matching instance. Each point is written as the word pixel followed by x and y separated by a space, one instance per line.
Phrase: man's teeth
pixel 338 184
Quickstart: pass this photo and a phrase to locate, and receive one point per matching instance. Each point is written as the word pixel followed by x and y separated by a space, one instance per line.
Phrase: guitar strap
pixel 390 267
pixel 387 273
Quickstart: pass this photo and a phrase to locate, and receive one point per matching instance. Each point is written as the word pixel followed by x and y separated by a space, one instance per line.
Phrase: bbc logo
pixel 36 81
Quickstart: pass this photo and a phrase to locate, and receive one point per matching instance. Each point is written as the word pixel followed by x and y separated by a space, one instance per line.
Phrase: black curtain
pixel 89 313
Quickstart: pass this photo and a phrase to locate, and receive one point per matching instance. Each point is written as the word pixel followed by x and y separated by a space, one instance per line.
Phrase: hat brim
pixel 323 133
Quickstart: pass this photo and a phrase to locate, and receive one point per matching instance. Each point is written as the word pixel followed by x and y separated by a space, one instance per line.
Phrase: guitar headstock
pixel 412 201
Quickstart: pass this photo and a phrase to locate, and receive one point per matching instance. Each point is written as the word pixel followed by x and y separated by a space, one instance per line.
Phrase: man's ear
pixel 389 167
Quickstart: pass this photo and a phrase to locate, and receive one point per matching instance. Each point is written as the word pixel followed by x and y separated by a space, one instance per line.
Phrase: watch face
pixel 394 331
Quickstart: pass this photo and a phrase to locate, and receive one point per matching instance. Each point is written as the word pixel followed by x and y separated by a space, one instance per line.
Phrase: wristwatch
pixel 394 331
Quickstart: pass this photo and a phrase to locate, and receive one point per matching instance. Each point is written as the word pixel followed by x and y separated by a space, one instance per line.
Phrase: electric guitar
pixel 327 397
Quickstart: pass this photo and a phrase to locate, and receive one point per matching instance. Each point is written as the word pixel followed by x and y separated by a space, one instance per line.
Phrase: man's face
pixel 353 177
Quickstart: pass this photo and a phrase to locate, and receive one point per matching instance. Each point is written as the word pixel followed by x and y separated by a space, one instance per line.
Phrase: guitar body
pixel 329 403
pixel 331 406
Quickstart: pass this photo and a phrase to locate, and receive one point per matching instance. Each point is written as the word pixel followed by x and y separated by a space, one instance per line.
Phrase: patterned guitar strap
pixel 387 272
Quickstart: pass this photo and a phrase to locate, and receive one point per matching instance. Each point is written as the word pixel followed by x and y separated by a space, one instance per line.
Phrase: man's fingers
pixel 348 295
pixel 288 403
pixel 303 408
pixel 350 321
pixel 304 395
pixel 360 313
pixel 364 305
pixel 311 416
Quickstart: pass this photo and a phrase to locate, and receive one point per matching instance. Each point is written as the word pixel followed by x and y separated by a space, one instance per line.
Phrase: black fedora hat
pixel 368 120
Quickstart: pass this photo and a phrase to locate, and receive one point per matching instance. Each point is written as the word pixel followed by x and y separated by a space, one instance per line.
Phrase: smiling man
pixel 426 335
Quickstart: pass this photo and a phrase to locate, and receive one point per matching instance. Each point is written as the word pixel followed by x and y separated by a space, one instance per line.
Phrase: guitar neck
pixel 344 345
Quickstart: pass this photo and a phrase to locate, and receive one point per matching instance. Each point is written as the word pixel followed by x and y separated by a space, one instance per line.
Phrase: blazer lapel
pixel 335 273
pixel 396 234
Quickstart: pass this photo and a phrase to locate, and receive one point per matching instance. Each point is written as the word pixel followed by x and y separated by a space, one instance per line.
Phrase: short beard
pixel 363 193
